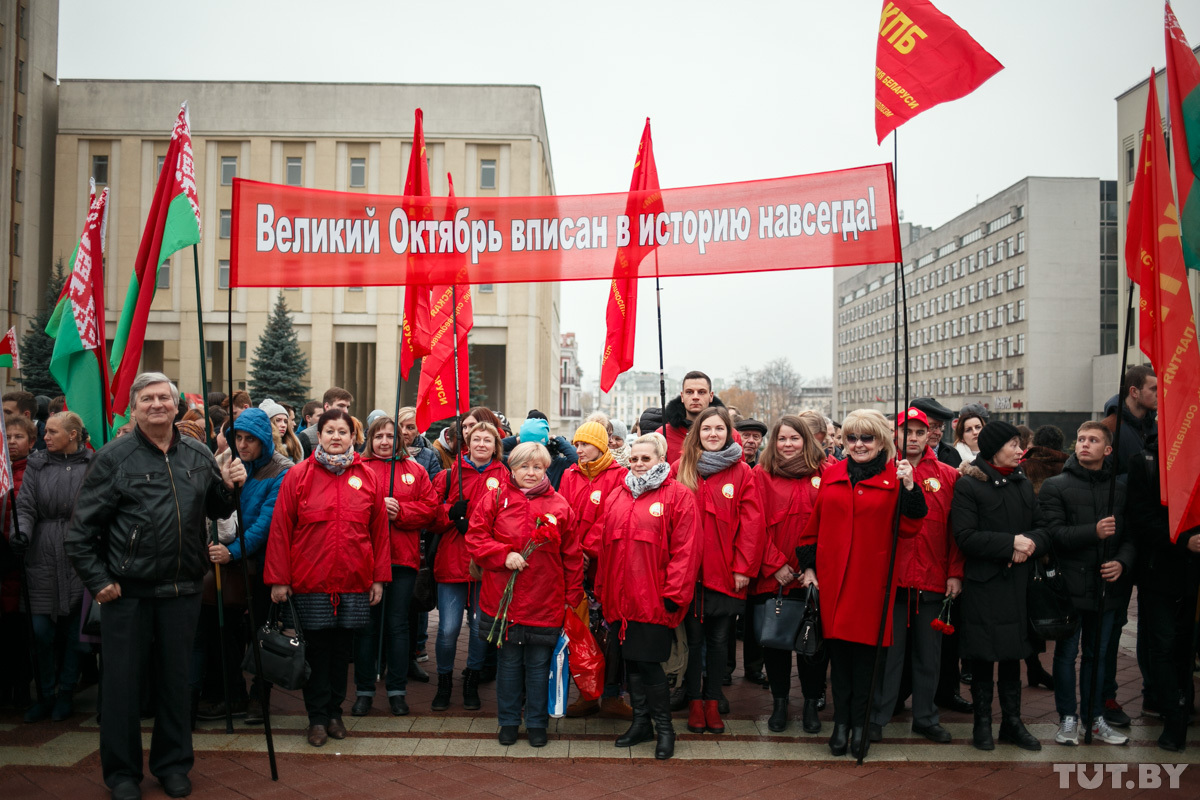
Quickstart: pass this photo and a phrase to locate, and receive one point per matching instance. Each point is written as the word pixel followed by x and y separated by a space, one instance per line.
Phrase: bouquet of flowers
pixel 942 623
pixel 545 531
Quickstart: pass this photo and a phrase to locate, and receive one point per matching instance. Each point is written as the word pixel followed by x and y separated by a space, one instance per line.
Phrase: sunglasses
pixel 865 438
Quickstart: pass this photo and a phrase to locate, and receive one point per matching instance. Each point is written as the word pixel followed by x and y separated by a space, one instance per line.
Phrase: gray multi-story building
pixel 1004 307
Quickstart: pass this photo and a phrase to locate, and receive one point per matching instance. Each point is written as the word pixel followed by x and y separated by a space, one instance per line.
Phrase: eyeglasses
pixel 865 438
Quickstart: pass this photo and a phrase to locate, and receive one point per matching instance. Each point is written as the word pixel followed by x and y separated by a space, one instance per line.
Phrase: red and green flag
pixel 1183 102
pixel 173 224
pixel 79 362
pixel 417 326
pixel 10 352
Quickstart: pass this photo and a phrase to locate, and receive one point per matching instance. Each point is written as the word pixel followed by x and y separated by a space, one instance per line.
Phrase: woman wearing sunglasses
pixel 846 544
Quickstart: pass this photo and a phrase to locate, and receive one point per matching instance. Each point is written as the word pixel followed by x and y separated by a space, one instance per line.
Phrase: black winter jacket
pixel 1070 504
pixel 1162 567
pixel 139 518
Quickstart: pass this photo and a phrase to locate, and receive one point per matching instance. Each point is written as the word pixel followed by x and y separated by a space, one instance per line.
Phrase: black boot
pixel 679 698
pixel 471 690
pixel 1036 674
pixel 659 699
pixel 641 730
pixel 811 722
pixel 857 742
pixel 441 700
pixel 840 739
pixel 1174 735
pixel 778 720
pixel 981 697
pixel 1011 727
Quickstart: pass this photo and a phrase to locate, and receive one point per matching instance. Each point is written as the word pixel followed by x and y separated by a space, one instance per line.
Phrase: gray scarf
pixel 651 480
pixel 712 462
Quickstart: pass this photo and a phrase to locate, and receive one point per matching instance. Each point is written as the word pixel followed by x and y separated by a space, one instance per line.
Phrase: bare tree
pixel 744 400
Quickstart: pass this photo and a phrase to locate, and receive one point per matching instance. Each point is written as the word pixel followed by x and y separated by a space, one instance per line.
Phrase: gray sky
pixel 734 92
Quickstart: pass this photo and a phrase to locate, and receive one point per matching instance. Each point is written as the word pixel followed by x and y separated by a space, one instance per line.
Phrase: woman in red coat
pixel 731 533
pixel 458 490
pixel 524 531
pixel 587 487
pixel 649 558
pixel 411 506
pixel 328 549
pixel 848 540
pixel 789 476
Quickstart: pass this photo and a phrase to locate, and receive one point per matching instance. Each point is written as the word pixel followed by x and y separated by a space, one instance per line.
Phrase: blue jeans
pixel 1065 652
pixel 453 600
pixel 523 674
pixel 392 616
pixel 66 630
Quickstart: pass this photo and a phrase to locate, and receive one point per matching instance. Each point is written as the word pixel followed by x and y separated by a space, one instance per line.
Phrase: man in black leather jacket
pixel 138 541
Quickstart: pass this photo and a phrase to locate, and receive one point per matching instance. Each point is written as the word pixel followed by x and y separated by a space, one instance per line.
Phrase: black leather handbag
pixel 809 639
pixel 1052 615
pixel 283 657
pixel 777 620
pixel 424 597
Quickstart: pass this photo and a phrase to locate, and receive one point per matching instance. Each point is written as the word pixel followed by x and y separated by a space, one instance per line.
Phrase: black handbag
pixel 424 597
pixel 283 657
pixel 778 620
pixel 809 639
pixel 1051 612
pixel 91 619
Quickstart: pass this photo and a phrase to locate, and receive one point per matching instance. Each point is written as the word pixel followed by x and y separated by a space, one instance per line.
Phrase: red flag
pixel 435 392
pixel 415 341
pixel 1183 98
pixel 1168 324
pixel 922 59
pixel 621 316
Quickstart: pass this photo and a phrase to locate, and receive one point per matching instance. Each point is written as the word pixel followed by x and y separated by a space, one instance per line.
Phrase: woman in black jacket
pixel 993 519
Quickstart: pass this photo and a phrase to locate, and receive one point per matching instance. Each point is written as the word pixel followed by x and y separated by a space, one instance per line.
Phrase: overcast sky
pixel 734 92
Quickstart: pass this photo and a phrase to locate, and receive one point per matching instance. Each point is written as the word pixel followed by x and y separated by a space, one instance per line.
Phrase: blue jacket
pixel 426 456
pixel 264 476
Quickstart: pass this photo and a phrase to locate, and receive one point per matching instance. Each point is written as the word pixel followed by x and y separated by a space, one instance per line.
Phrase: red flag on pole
pixel 436 390
pixel 621 316
pixel 922 59
pixel 415 341
pixel 1183 99
pixel 1168 324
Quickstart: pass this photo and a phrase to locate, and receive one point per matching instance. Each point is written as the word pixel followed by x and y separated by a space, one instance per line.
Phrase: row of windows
pixel 999 381
pixel 991 350
pixel 988 319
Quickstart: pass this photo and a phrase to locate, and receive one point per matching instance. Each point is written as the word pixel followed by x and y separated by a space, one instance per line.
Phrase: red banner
pixel 285 236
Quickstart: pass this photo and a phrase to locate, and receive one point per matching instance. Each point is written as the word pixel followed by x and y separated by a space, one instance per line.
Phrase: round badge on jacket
pixel 727 491
pixel 492 483
pixel 408 479
pixel 932 484
pixel 355 482
pixel 595 498
pixel 656 510
pixel 553 520
pixel 816 481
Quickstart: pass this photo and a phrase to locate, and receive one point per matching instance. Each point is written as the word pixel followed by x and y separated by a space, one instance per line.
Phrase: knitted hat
pixel 374 415
pixel 592 433
pixel 272 408
pixel 994 436
pixel 535 430
pixel 619 429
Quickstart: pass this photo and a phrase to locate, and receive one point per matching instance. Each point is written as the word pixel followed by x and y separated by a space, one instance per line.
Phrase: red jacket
pixel 925 561
pixel 650 551
pixel 731 526
pixel 418 506
pixel 787 505
pixel 852 529
pixel 503 522
pixel 329 533
pixel 452 562
pixel 588 499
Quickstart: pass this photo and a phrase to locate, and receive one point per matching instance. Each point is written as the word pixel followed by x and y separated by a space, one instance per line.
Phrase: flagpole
pixel 457 388
pixel 662 379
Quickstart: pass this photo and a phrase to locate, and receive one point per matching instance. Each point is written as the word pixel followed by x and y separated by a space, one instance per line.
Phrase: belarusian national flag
pixel 414 342
pixel 1183 101
pixel 173 224
pixel 10 352
pixel 79 362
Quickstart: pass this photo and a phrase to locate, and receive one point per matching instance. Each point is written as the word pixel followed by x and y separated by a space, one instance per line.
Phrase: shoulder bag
pixel 809 639
pixel 283 657
pixel 778 620
pixel 1052 614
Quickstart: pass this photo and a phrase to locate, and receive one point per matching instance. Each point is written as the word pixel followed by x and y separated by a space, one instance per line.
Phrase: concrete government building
pixel 343 137
pixel 1008 304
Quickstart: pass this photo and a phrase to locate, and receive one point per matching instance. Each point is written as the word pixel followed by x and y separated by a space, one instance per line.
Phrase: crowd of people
pixel 669 538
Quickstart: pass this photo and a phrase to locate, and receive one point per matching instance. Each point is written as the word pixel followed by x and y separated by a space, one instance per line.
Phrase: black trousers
pixel 852 663
pixel 329 652
pixel 709 635
pixel 752 651
pixel 779 672
pixel 146 636
pixel 15 667
pixel 1005 671
pixel 1166 625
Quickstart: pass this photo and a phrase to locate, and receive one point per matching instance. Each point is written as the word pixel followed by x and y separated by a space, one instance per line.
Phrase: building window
pixel 294 172
pixel 241 351
pixel 20 186
pixel 163 277
pixel 161 161
pixel 228 170
pixel 23 22
pixel 100 170
pixel 21 79
pixel 1021 242
pixel 358 173
pixel 226 223
pixel 223 274
pixel 486 288
pixel 16 238
pixel 20 131
pixel 487 173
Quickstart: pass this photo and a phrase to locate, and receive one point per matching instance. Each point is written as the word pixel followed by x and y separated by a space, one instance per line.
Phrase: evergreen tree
pixel 37 346
pixel 279 366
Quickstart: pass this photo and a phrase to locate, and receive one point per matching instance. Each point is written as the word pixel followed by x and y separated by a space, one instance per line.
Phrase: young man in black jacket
pixel 1094 553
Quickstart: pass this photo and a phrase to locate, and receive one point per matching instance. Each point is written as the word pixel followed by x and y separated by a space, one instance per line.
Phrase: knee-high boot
pixel 659 698
pixel 981 702
pixel 641 729
pixel 1011 727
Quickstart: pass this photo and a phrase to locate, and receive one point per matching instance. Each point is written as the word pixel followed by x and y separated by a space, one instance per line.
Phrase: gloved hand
pixel 462 525
pixel 458 510
pixel 670 605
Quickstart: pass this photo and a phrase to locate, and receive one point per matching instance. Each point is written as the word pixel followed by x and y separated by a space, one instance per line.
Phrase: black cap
pixel 994 436
pixel 751 424
pixel 933 409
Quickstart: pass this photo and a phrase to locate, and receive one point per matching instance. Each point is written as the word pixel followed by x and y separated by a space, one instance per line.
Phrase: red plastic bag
pixel 587 660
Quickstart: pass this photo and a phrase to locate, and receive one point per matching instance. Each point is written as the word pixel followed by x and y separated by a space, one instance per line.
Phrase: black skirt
pixel 708 603
pixel 645 641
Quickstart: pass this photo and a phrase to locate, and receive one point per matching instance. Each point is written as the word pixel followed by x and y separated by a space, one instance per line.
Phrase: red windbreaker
pixel 787 505
pixel 925 561
pixel 588 499
pixel 418 506
pixel 329 533
pixel 731 526
pixel 503 522
pixel 452 562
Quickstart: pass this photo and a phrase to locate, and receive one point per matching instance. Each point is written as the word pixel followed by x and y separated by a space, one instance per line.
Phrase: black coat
pixel 987 513
pixel 1162 567
pixel 1070 504
pixel 947 454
